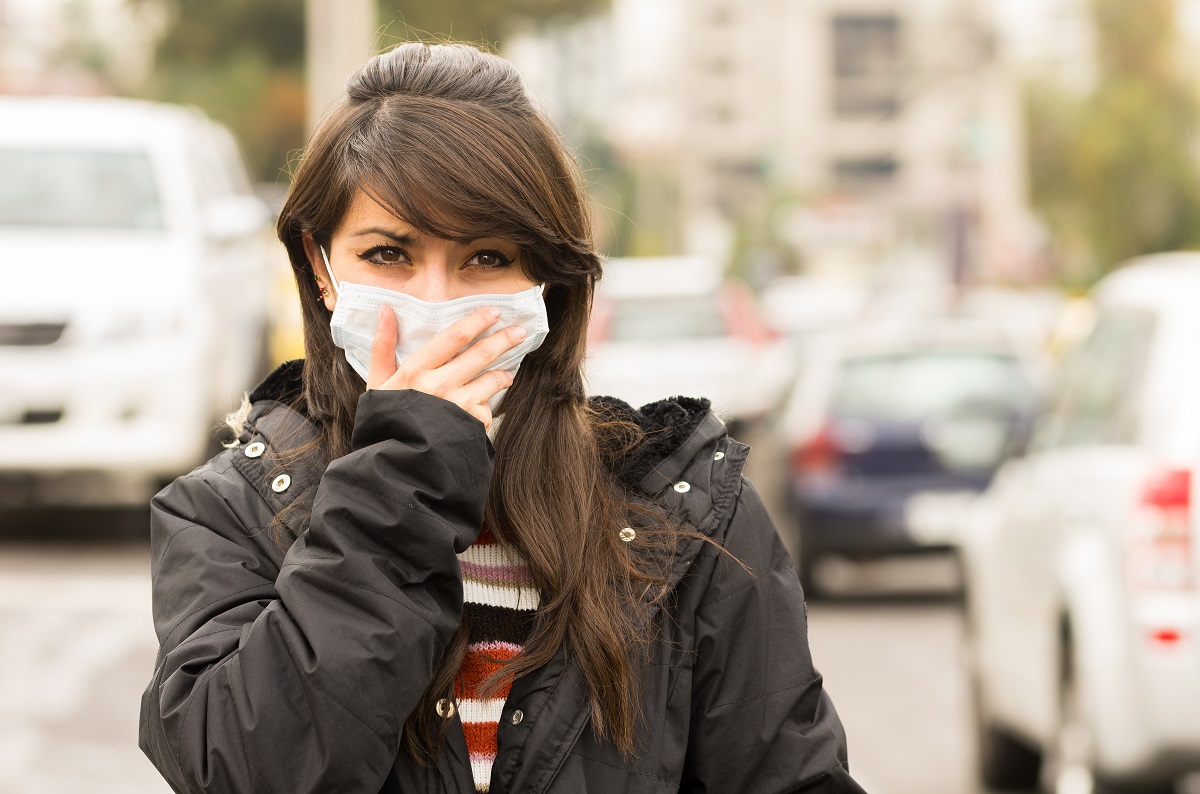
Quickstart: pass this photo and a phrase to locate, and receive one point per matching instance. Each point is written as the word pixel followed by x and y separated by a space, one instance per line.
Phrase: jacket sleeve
pixel 299 678
pixel 756 697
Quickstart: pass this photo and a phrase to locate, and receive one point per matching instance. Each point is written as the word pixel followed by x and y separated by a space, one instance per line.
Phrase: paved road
pixel 78 648
pixel 893 673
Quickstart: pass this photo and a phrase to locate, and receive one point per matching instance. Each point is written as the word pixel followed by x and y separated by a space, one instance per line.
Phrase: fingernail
pixel 517 332
pixel 494 313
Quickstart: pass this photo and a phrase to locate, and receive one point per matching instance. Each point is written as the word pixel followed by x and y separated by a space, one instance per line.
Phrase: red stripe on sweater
pixel 481 738
pixel 478 665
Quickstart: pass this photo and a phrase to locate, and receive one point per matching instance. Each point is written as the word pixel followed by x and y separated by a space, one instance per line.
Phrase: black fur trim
pixel 284 384
pixel 666 424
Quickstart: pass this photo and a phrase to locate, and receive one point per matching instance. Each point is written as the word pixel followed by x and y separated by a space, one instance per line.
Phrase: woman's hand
pixel 439 369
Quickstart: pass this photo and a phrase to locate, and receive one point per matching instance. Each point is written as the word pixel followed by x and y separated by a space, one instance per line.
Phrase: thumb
pixel 383 349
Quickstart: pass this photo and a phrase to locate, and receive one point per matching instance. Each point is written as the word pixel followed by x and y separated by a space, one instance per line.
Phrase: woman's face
pixel 372 246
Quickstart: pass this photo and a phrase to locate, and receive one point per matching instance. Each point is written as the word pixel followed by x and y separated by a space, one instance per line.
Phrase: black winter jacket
pixel 295 671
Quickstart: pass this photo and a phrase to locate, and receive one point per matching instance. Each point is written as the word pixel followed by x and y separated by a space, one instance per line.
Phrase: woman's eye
pixel 489 259
pixel 384 255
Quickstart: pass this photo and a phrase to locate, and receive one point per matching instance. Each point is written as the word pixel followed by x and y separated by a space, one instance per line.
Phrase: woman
pixel 364 594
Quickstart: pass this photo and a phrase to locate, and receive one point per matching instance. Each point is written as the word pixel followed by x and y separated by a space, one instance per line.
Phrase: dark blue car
pixel 890 440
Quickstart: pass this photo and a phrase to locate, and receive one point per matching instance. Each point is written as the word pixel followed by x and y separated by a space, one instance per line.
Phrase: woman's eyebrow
pixel 414 238
pixel 483 237
pixel 405 238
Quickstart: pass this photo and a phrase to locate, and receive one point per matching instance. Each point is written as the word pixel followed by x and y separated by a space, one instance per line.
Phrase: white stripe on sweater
pixel 524 599
pixel 492 554
pixel 481 770
pixel 472 710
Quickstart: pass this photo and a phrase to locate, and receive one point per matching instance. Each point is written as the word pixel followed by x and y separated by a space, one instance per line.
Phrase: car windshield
pixel 666 319
pixel 912 387
pixel 78 188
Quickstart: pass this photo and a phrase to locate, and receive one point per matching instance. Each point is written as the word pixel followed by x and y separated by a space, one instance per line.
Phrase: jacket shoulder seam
pixel 755 582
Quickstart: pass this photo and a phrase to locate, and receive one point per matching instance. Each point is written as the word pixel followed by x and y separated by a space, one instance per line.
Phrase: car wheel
pixel 1006 762
pixel 1070 766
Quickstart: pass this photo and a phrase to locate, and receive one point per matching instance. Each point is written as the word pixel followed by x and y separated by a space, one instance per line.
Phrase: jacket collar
pixel 674 430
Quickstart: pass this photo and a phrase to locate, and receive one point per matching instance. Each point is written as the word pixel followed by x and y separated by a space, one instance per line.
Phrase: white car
pixel 669 326
pixel 133 306
pixel 1082 562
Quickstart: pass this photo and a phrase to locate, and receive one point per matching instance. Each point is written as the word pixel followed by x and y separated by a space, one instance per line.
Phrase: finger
pixel 383 349
pixel 481 355
pixel 483 388
pixel 450 341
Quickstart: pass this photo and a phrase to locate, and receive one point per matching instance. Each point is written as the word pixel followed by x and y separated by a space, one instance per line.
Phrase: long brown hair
pixel 446 137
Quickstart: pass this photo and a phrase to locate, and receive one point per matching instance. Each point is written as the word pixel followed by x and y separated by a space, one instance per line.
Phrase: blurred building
pixel 892 120
pixel 864 133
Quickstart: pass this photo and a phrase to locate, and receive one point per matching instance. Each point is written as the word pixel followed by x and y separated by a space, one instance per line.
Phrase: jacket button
pixel 516 717
pixel 445 708
pixel 682 487
pixel 628 534
pixel 719 456
pixel 281 483
pixel 256 449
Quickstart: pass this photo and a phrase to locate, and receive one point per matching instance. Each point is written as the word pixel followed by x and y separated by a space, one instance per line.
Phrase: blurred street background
pixel 936 261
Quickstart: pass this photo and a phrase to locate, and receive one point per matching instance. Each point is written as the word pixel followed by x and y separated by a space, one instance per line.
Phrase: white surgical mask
pixel 356 319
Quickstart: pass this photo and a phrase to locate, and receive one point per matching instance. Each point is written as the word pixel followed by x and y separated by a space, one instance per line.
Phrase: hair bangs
pixel 426 170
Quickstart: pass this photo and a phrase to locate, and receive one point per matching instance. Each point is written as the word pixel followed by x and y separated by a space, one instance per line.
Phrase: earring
pixel 324 293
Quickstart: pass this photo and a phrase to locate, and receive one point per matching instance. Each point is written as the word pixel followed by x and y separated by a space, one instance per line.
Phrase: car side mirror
pixel 232 217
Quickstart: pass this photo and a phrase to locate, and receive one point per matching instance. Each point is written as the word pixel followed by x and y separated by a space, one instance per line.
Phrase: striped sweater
pixel 500 602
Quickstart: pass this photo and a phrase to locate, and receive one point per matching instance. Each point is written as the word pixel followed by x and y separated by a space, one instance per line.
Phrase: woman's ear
pixel 320 271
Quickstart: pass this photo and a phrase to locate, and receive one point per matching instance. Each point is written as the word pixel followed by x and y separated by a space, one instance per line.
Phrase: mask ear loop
pixel 329 270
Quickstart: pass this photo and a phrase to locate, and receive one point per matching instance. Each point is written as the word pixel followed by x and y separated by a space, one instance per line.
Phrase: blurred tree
pixel 478 20
pixel 1114 173
pixel 243 60
pixel 80 49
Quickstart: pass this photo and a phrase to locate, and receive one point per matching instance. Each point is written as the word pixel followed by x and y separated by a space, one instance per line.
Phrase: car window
pixel 666 319
pixel 911 387
pixel 210 171
pixel 1101 384
pixel 78 188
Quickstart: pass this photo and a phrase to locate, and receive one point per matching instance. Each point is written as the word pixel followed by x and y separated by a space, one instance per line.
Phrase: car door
pixel 1073 480
pixel 235 273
